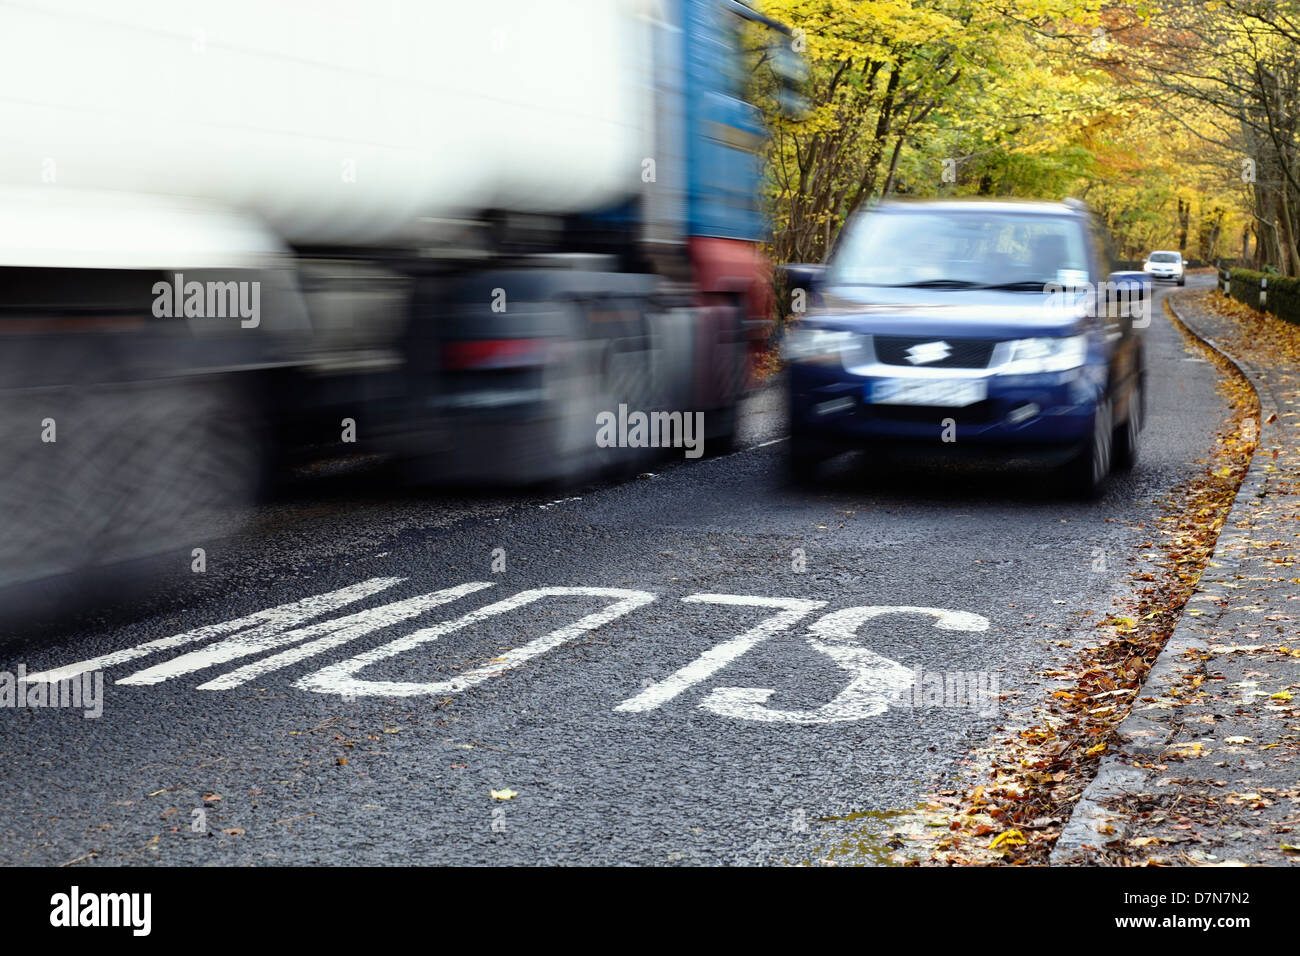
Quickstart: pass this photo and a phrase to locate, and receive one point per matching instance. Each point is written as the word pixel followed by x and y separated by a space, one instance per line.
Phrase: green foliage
pixel 1028 98
pixel 1283 295
pixel 1244 286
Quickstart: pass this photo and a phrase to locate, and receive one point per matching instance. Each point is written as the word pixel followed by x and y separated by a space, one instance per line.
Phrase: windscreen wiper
pixel 1025 285
pixel 933 284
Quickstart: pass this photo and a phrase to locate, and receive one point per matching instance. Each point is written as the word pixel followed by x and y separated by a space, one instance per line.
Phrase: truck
pixel 453 233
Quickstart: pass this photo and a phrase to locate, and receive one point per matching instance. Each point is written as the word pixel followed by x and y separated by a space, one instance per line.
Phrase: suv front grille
pixel 965 353
pixel 978 414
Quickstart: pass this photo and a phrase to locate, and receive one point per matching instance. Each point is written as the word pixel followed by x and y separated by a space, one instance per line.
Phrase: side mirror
pixel 801 275
pixel 1138 282
pixel 800 280
pixel 1129 294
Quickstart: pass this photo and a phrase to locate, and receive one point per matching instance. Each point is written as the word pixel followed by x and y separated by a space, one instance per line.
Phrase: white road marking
pixel 338 631
pixel 720 655
pixel 561 501
pixel 271 620
pixel 876 680
pixel 749 448
pixel 341 678
pixel 843 625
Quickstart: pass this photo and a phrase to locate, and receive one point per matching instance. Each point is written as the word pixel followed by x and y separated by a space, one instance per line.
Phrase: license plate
pixel 948 393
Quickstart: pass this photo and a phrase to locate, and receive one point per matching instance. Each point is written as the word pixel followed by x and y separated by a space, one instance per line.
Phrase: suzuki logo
pixel 928 352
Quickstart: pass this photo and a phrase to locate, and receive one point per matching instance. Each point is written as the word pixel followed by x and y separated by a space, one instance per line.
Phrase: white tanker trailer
pixel 454 231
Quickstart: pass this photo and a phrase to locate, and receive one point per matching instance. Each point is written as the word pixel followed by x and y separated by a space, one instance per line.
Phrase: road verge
pixel 1186 774
pixel 1028 786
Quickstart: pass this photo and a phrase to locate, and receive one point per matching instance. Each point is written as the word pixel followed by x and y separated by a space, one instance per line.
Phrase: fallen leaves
pixel 1246 601
pixel 506 794
pixel 1188 750
pixel 1008 838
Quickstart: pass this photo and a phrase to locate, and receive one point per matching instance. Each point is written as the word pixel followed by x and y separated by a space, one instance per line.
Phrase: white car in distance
pixel 1169 266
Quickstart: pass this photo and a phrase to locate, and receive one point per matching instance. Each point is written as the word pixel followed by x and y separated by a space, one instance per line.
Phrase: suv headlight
pixel 1029 356
pixel 822 346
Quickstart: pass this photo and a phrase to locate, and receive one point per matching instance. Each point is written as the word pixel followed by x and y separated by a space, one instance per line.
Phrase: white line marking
pixel 339 631
pixel 719 656
pixel 341 678
pixel 561 501
pixel 270 621
pixel 843 625
pixel 876 680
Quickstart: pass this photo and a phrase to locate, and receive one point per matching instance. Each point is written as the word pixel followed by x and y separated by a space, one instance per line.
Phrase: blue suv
pixel 969 326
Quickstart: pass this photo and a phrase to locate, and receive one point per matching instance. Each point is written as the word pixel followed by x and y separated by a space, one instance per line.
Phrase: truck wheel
pixel 182 462
pixel 141 470
pixel 580 387
pixel 723 440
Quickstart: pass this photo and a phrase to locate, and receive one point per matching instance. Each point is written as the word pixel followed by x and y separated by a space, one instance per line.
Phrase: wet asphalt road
pixel 310 766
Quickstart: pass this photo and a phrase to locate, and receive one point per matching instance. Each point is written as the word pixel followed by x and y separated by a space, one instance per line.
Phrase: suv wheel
pixel 1086 473
pixel 1128 435
pixel 804 458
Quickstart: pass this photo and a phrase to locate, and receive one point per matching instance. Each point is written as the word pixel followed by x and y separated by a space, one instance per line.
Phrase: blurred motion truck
pixel 451 231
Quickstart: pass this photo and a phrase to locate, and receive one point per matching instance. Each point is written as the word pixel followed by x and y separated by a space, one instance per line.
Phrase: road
pixel 674 708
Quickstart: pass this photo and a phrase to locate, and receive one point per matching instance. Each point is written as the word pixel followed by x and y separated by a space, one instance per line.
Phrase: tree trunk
pixel 1287 237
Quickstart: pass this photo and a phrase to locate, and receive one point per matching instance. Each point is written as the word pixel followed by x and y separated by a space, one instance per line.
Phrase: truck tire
pixel 136 470
pixel 183 463
pixel 733 380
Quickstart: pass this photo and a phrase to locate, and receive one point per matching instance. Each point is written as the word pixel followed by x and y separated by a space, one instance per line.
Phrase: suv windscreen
pixel 961 250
